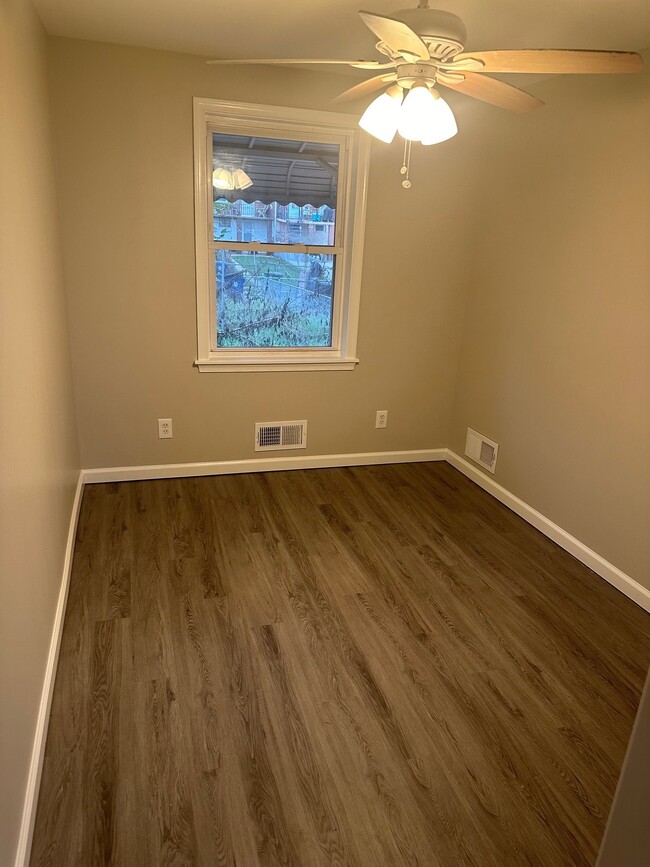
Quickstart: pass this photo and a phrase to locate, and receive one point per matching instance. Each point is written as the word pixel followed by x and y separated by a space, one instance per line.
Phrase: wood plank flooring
pixel 369 666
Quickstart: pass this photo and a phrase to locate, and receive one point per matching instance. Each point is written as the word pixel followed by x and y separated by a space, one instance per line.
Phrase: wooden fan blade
pixel 397 35
pixel 365 87
pixel 493 91
pixel 358 64
pixel 553 61
pixel 373 64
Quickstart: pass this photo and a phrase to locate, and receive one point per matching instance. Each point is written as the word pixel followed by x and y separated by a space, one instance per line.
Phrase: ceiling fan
pixel 424 48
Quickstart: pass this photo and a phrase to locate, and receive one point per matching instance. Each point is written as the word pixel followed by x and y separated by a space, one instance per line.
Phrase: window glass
pixel 274 299
pixel 274 191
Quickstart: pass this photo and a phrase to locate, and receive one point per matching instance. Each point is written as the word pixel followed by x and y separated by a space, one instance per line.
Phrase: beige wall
pixel 555 360
pixel 39 462
pixel 124 139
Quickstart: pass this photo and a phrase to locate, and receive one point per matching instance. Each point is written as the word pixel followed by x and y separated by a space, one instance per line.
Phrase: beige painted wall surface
pixel 124 139
pixel 555 360
pixel 39 462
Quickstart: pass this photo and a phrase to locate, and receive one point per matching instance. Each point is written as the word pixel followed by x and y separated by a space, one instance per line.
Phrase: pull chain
pixel 406 165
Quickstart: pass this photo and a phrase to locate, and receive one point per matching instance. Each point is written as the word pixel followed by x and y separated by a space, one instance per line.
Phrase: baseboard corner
pixel 602 567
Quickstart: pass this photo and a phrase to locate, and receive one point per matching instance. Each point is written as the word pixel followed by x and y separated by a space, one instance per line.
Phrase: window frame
pixel 268 121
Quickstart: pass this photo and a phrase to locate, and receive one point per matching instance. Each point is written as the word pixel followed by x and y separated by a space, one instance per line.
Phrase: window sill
pixel 248 365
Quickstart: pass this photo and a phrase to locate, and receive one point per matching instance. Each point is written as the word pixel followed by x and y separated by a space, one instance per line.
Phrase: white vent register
pixel 271 435
pixel 481 449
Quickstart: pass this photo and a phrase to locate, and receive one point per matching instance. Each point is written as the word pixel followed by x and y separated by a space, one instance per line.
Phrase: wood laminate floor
pixel 371 666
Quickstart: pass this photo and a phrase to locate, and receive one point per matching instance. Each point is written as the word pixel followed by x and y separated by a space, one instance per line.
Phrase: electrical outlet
pixel 165 429
pixel 381 419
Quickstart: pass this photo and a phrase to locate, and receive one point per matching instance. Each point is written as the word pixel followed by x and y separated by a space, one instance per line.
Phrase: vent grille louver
pixel 481 449
pixel 280 435
pixel 270 436
pixel 487 453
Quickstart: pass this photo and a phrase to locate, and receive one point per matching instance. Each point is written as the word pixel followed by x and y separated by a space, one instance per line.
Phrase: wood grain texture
pixel 555 61
pixel 494 91
pixel 370 85
pixel 369 666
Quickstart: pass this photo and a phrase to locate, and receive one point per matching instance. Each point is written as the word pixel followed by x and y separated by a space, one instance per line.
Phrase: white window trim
pixel 279 121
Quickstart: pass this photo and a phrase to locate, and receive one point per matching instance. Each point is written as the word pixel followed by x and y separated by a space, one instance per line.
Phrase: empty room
pixel 325 433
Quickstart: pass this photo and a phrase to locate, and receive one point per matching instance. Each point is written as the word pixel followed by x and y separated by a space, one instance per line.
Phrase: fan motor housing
pixel 410 73
pixel 443 32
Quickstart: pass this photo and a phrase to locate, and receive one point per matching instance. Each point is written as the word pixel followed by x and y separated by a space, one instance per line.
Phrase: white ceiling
pixel 332 28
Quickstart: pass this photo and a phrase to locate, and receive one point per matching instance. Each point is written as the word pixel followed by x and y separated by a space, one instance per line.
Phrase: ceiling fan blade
pixel 397 35
pixel 365 87
pixel 553 61
pixel 492 90
pixel 358 64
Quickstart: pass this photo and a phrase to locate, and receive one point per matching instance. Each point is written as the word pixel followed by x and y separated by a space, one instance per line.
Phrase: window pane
pixel 274 299
pixel 277 191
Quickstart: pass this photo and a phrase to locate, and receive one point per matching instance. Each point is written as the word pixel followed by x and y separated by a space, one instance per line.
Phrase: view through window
pixel 274 241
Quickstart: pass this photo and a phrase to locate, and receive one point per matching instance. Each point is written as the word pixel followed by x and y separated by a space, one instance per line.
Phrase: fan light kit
pixel 425 49
pixel 423 116
pixel 223 179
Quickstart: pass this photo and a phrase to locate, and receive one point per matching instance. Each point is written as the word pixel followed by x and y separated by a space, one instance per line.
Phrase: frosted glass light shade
pixel 241 180
pixel 426 117
pixel 440 123
pixel 382 115
pixel 222 179
pixel 418 104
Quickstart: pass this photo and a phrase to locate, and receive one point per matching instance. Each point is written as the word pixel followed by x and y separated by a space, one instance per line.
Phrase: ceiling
pixel 332 28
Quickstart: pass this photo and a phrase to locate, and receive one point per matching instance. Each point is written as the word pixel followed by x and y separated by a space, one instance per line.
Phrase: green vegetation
pixel 274 299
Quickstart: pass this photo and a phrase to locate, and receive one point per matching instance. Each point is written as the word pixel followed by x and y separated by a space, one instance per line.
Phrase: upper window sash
pixel 296 132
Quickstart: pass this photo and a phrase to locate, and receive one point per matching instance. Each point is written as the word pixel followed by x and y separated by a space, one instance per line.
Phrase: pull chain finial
pixel 406 165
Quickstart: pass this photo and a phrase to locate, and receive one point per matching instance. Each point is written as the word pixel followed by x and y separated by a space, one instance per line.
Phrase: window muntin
pixel 323 238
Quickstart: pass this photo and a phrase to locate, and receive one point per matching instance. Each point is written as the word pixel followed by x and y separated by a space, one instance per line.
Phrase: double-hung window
pixel 279 221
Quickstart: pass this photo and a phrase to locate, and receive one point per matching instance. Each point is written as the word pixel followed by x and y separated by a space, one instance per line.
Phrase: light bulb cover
pixel 222 179
pixel 381 118
pixel 441 124
pixel 241 180
pixel 416 108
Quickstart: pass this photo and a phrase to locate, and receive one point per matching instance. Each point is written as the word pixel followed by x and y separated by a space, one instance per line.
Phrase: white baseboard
pixel 38 750
pixel 258 465
pixel 626 584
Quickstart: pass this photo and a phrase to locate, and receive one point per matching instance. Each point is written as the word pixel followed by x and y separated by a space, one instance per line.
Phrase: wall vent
pixel 481 449
pixel 280 435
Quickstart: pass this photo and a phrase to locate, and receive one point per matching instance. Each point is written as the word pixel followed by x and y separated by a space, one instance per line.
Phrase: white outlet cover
pixel 165 430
